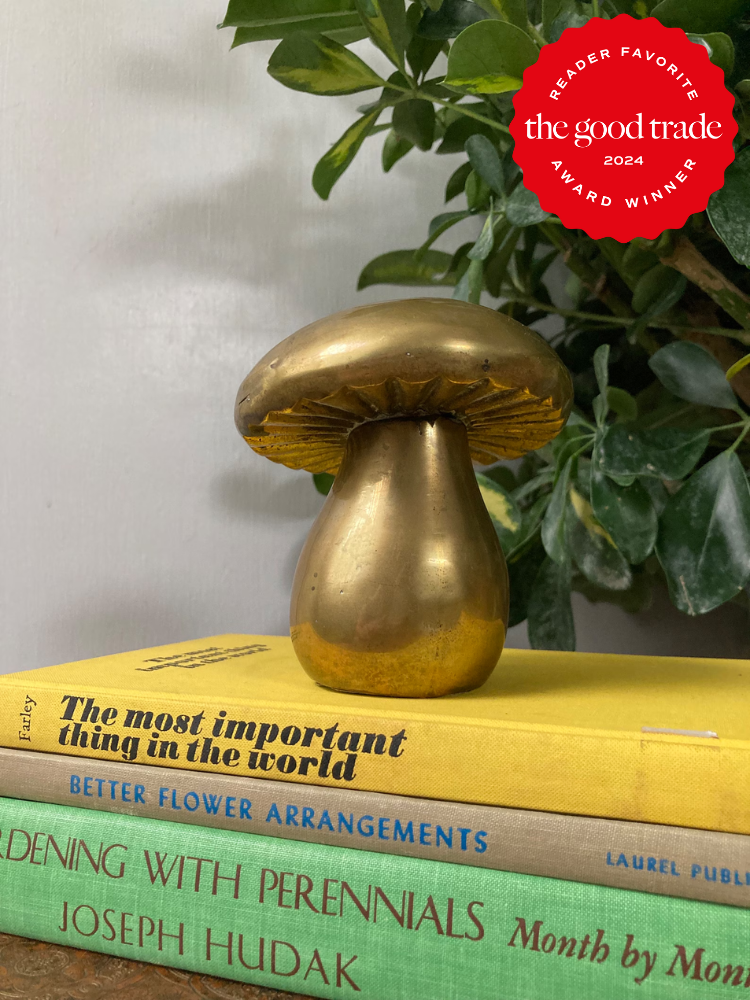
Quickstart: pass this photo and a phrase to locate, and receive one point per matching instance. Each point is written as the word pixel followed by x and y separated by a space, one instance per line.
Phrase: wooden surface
pixel 33 970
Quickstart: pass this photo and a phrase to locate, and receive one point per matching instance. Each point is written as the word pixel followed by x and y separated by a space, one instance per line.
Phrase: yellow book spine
pixel 653 778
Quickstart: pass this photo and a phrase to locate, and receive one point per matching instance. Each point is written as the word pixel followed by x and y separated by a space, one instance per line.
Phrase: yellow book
pixel 562 732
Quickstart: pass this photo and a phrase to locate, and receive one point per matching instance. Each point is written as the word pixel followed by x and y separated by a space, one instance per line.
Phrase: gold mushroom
pixel 401 588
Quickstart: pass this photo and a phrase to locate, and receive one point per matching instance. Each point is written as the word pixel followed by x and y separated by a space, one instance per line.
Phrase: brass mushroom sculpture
pixel 401 588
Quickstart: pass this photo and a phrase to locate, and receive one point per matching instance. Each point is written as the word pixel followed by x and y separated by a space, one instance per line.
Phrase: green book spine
pixel 330 922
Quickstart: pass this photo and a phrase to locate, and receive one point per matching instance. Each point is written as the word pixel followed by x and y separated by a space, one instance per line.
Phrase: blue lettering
pixel 245 805
pixel 273 813
pixel 402 832
pixel 424 835
pixel 651 865
pixel 622 861
pixel 447 838
pixel 342 822
pixel 193 796
pixel 126 794
pixel 726 876
pixel 464 834
pixel 75 784
pixel 163 792
pixel 139 794
pixel 174 800
pixel 325 821
pixel 479 840
pixel 709 878
pixel 229 805
pixel 307 817
pixel 609 859
pixel 673 869
pixel 638 862
pixel 695 870
pixel 664 867
pixel 291 816
pixel 383 828
pixel 369 829
pixel 87 782
pixel 211 803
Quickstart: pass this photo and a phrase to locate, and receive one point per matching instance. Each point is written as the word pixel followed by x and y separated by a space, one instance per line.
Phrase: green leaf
pixel 513 11
pixel 622 403
pixel 552 10
pixel 700 16
pixel 450 20
pixel 331 166
pixel 483 246
pixel 421 53
pixel 485 161
pixel 658 289
pixel 593 549
pixel 477 192
pixel 720 49
pixel 551 623
pixel 704 536
pixel 523 208
pixel 729 208
pixel 394 148
pixel 626 513
pixel 504 513
pixel 251 13
pixel 568 19
pixel 554 534
pixel 316 64
pixel 638 597
pixel 667 453
pixel 691 373
pixel 323 482
pixel 496 268
pixel 400 267
pixel 385 21
pixel 457 181
pixel 469 287
pixel 343 28
pixel 601 368
pixel 737 367
pixel 459 131
pixel 490 58
pixel 522 573
pixel 258 21
pixel 439 225
pixel 415 121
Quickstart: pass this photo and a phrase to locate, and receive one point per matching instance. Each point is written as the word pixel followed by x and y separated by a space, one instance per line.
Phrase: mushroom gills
pixel 401 588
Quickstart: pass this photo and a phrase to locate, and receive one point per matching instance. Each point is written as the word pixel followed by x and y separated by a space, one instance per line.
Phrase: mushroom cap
pixel 412 358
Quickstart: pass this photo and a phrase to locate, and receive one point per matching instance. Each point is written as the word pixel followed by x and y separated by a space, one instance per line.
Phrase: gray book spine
pixel 669 860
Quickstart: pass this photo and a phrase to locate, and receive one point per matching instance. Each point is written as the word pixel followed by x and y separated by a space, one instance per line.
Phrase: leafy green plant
pixel 648 480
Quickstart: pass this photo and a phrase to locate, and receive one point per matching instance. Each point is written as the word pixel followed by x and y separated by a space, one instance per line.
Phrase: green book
pixel 330 922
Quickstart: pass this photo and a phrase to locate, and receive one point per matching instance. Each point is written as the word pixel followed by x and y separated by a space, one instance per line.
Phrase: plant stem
pixel 717 331
pixel 536 35
pixel 595 8
pixel 466 111
pixel 735 444
pixel 688 260
pixel 419 95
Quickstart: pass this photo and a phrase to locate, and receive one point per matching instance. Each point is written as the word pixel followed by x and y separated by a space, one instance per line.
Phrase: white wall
pixel 158 233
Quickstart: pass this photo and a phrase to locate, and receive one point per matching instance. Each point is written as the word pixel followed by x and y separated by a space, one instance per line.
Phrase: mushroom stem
pixel 401 588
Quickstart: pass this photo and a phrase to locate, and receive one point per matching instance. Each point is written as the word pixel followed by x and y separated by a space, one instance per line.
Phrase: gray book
pixel 669 860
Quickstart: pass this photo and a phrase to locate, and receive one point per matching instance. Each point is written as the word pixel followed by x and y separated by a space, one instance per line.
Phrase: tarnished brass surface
pixel 414 358
pixel 401 588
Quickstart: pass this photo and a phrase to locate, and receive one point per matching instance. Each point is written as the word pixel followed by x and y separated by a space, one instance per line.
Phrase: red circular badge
pixel 623 128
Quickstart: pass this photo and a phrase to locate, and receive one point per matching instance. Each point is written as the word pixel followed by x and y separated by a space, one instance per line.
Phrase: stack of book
pixel 577 828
